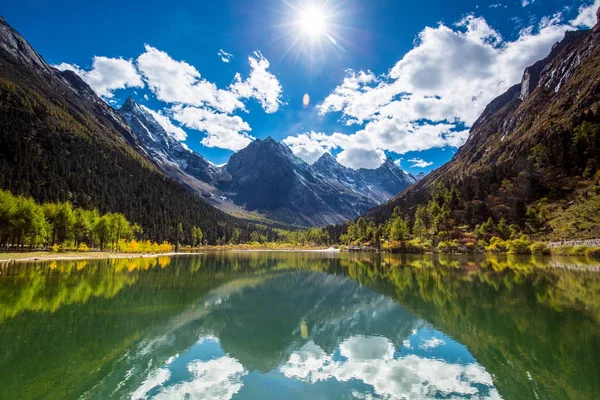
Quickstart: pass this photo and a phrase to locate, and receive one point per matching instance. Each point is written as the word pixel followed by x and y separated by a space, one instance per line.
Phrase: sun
pixel 313 21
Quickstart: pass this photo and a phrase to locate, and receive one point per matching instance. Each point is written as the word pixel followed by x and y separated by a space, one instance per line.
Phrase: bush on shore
pixel 540 248
pixel 519 246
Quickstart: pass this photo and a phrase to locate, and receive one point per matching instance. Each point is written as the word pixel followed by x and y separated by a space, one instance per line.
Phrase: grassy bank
pixel 73 255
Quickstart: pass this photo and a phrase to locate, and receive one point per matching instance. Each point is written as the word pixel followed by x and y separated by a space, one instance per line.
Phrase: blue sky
pixel 385 78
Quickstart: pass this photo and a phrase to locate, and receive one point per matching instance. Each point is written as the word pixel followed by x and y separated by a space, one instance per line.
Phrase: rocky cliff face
pixel 162 147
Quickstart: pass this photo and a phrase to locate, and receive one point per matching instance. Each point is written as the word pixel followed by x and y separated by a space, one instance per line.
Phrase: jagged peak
pixel 326 158
pixel 129 104
pixel 389 162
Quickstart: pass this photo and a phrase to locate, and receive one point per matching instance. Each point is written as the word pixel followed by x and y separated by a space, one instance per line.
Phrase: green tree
pixel 399 230
pixel 420 227
pixel 197 236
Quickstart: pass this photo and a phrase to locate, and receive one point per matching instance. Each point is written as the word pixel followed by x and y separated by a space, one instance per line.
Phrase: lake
pixel 268 325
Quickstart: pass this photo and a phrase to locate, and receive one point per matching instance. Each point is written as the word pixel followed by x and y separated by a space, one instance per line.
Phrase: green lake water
pixel 294 325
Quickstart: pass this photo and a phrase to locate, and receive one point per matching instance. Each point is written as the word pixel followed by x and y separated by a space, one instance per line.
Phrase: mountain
pixel 380 184
pixel 267 179
pixel 176 160
pixel 59 142
pixel 163 147
pixel 532 156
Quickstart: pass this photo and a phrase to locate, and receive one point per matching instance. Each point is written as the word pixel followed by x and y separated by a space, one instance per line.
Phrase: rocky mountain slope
pixel 268 179
pixel 59 141
pixel 533 154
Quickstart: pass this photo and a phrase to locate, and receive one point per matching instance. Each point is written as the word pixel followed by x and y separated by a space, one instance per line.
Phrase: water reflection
pixel 297 325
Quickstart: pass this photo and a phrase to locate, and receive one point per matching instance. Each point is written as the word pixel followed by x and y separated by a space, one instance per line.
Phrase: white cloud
pixel 371 360
pixel 356 157
pixel 167 125
pixel 154 379
pixel 179 82
pixel 419 163
pixel 587 15
pixel 433 92
pixel 310 145
pixel 427 344
pixel 525 3
pixel 107 75
pixel 260 84
pixel 218 379
pixel 224 56
pixel 192 100
pixel 222 130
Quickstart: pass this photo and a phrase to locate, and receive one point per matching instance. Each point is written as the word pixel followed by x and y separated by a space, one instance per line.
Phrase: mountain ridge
pixel 266 178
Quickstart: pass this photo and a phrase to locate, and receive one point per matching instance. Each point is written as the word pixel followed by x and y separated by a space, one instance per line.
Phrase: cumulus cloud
pixel 222 130
pixel 309 145
pixel 356 157
pixel 107 75
pixel 167 124
pixel 175 81
pixel 260 84
pixel 419 163
pixel 587 15
pixel 371 360
pixel 436 90
pixel 201 105
pixel 225 56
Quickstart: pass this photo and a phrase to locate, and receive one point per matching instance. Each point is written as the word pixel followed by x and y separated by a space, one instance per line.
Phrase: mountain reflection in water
pixel 300 325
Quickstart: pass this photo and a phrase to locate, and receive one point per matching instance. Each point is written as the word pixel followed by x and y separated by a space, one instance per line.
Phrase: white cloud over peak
pixel 419 163
pixel 309 145
pixel 222 130
pixel 260 84
pixel 224 56
pixel 436 90
pixel 201 105
pixel 175 81
pixel 107 75
pixel 167 124
pixel 587 15
pixel 357 157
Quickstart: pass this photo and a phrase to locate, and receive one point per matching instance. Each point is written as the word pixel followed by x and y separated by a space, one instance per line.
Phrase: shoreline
pixel 72 256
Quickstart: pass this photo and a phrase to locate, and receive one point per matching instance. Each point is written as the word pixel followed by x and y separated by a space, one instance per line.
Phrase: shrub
pixel 519 246
pixel 540 248
pixel 497 245
pixel 562 250
pixel 447 247
pixel 54 248
pixel 83 247
pixel 417 246
pixel 578 251
pixel 593 252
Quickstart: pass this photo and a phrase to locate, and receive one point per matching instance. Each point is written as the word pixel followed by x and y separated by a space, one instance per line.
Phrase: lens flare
pixel 305 100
